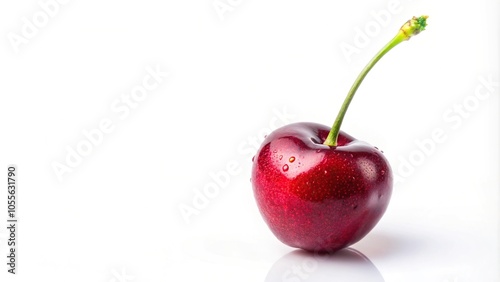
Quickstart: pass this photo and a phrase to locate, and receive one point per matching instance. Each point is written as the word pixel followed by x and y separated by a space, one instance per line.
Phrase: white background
pixel 116 216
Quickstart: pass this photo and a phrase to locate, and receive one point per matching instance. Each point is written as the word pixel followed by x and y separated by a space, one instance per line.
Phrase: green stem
pixel 409 29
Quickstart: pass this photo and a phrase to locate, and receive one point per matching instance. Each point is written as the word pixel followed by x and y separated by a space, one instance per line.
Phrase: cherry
pixel 318 188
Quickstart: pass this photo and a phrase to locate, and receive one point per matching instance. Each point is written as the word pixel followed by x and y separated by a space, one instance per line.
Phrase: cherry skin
pixel 317 197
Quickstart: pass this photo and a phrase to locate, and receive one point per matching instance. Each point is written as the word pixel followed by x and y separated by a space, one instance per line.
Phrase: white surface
pixel 116 216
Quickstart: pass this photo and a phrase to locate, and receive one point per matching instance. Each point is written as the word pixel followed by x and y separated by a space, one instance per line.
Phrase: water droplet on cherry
pixel 382 172
pixel 281 156
pixel 285 168
pixel 291 159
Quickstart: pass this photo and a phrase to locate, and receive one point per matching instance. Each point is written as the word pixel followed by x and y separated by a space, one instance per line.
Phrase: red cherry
pixel 327 198
pixel 318 188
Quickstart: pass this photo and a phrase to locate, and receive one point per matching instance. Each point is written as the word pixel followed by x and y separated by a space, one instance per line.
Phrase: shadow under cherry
pixel 345 265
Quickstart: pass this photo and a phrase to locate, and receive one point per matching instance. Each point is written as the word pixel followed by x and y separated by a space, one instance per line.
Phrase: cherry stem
pixel 412 27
